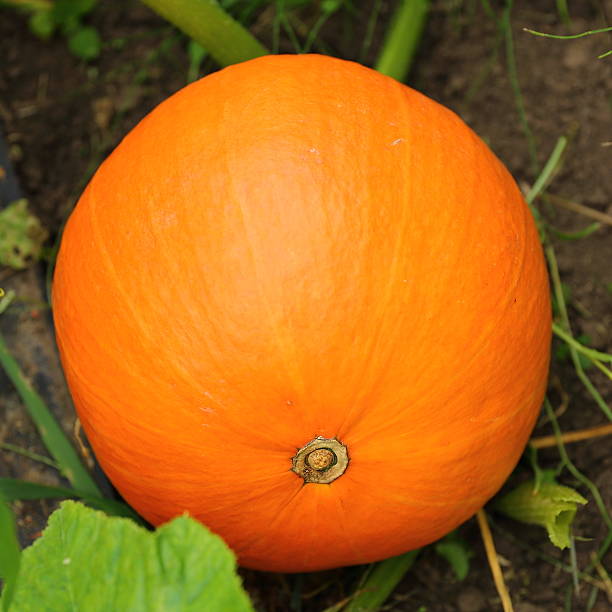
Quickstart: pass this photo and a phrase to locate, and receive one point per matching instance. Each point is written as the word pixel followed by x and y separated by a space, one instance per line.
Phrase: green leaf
pixel 87 561
pixel 21 236
pixel 551 506
pixel 379 581
pixel 457 552
pixel 42 24
pixel 85 43
pixel 12 489
pixel 10 554
pixel 578 235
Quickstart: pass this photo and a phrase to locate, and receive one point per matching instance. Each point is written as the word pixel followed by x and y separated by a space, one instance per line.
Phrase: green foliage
pixel 21 236
pixel 10 554
pixel 84 42
pixel 88 561
pixel 551 506
pixel 379 581
pixel 457 552
pixel 562 352
pixel 65 17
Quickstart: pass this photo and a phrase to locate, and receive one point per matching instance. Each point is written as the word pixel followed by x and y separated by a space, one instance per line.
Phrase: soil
pixel 61 116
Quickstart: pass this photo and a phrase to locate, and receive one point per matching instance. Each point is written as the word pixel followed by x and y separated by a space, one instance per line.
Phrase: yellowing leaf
pixel 551 506
pixel 21 236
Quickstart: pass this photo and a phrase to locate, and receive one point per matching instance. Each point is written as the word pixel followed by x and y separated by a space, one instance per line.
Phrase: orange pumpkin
pixel 309 306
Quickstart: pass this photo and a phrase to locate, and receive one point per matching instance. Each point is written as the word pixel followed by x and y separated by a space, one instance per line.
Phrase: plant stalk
pixel 402 39
pixel 227 41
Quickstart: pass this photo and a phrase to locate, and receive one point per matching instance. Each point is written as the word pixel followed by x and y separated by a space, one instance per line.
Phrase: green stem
pixel 51 433
pixel 590 353
pixel 402 39
pixel 568 36
pixel 227 41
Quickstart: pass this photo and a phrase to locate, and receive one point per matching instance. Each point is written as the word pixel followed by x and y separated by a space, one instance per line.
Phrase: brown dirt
pixel 61 116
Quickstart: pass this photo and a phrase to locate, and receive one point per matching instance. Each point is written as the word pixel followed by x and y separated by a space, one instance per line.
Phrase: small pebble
pixel 576 55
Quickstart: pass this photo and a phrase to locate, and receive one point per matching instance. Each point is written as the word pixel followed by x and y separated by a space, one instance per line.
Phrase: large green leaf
pixel 88 561
pixel 10 554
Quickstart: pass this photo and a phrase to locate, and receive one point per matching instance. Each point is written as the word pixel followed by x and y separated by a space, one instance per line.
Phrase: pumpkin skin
pixel 293 247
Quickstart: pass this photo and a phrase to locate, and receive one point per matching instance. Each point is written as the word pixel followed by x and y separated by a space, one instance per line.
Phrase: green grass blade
pixel 51 433
pixel 578 235
pixel 566 327
pixel 10 554
pixel 24 452
pixel 551 166
pixel 539 185
pixel 380 582
pixel 563 12
pixel 12 489
pixel 370 28
pixel 227 41
pixel 402 39
pixel 506 27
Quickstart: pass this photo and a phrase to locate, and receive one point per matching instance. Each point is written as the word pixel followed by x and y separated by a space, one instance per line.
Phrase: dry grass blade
pixel 498 577
pixel 581 209
pixel 572 436
pixel 603 574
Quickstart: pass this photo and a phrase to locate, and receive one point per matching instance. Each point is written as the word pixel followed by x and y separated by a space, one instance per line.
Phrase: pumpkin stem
pixel 321 461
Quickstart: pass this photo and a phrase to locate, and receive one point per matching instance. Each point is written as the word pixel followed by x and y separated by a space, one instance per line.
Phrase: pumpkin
pixel 307 305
